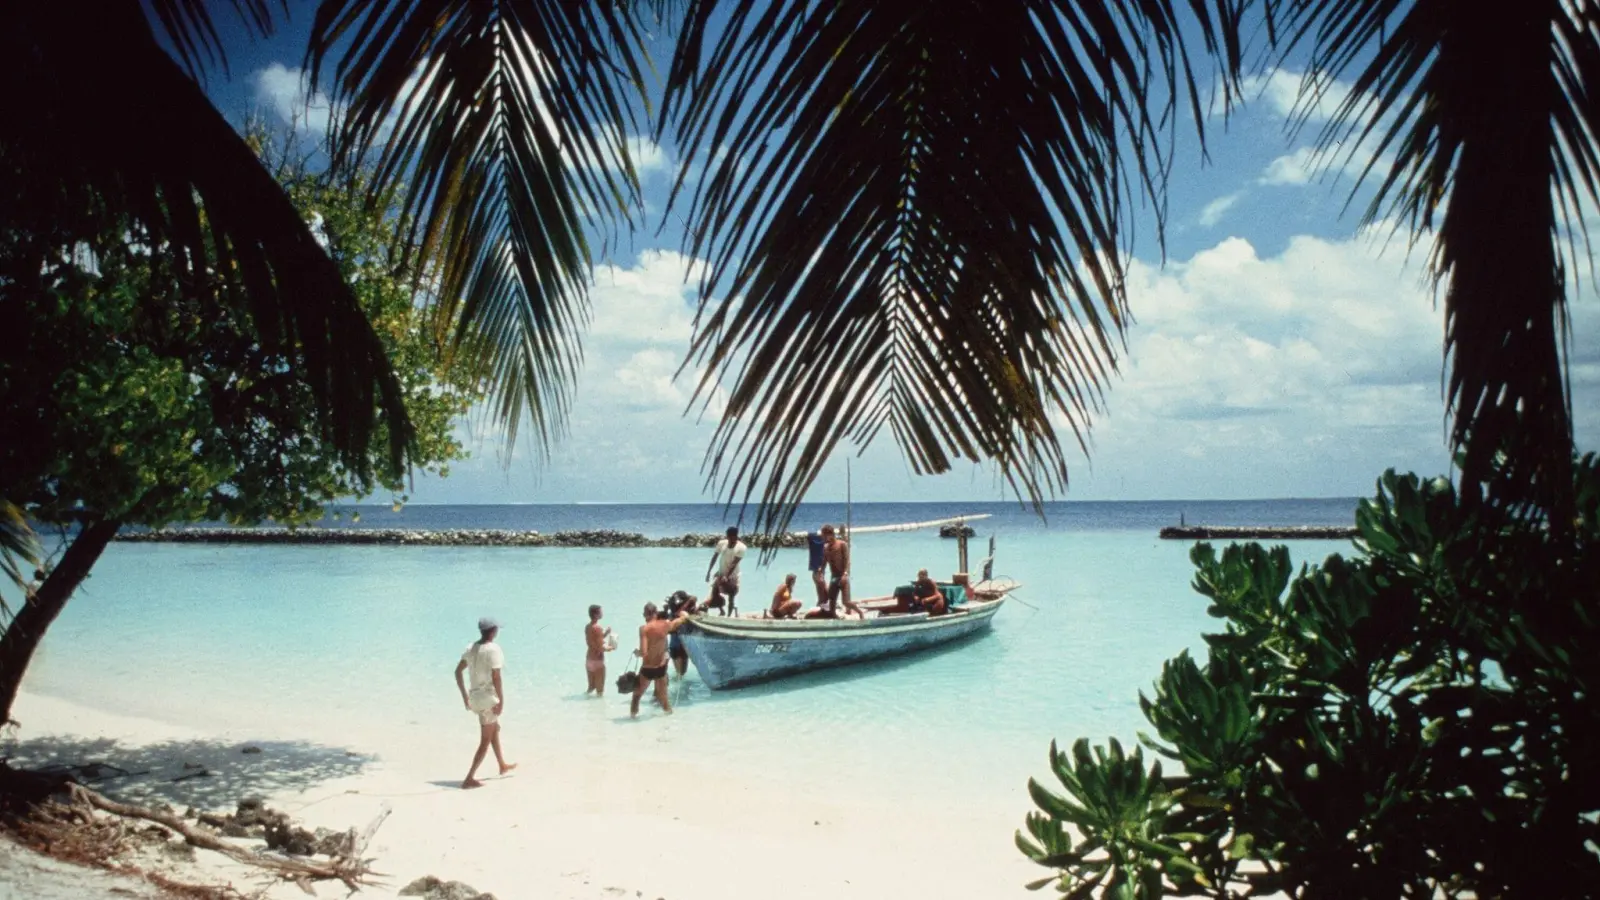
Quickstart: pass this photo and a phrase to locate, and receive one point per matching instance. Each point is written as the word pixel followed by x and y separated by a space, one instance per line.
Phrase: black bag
pixel 628 681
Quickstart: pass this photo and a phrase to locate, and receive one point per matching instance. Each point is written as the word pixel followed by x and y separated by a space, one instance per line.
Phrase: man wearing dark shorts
pixel 685 602
pixel 653 655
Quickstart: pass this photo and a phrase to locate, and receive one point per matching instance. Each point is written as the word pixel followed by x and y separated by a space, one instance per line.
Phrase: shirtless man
pixel 927 594
pixel 486 698
pixel 653 653
pixel 836 552
pixel 784 606
pixel 595 660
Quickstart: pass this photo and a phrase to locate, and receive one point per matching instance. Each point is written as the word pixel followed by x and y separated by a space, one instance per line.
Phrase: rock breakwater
pixel 1258 532
pixel 445 538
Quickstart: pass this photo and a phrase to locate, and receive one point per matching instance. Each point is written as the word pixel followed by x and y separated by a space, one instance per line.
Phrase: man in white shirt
pixel 725 559
pixel 485 697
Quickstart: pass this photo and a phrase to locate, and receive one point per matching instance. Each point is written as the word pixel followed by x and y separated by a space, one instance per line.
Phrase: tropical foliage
pixel 1415 721
pixel 1477 123
pixel 914 215
pixel 142 404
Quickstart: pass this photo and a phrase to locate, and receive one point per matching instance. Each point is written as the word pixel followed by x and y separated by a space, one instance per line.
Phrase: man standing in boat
pixel 652 653
pixel 725 560
pixel 816 544
pixel 836 552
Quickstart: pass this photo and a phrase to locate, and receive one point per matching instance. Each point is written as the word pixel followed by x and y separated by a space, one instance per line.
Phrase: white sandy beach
pixel 571 822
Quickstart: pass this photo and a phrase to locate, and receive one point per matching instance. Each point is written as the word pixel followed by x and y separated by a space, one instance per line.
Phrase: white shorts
pixel 483 707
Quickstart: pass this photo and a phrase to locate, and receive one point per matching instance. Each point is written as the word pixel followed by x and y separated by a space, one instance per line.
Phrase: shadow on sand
pixel 208 775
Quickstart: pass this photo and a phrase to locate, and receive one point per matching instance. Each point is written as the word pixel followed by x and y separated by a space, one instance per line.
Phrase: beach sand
pixel 577 822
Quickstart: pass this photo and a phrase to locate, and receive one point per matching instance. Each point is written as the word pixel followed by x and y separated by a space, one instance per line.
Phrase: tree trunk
pixel 27 629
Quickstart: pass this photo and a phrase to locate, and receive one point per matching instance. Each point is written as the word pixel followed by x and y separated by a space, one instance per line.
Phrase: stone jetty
pixel 444 538
pixel 1258 532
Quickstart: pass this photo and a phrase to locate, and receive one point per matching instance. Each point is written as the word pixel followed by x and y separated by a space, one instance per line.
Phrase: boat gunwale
pixel 716 627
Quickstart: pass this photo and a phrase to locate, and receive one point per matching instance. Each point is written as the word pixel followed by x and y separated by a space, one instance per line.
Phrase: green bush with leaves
pixel 1415 721
pixel 132 400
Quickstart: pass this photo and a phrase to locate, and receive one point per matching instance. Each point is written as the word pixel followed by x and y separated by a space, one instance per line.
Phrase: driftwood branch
pixel 351 871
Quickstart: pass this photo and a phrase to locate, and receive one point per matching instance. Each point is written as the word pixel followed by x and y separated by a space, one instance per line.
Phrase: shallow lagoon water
pixel 356 644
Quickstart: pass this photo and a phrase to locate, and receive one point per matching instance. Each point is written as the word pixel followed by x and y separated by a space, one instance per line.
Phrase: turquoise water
pixel 355 645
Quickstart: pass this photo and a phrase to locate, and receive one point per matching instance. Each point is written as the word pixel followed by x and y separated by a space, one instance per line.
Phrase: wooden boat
pixel 731 651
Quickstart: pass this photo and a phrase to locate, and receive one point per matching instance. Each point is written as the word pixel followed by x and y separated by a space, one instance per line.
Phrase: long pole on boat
pixel 849 535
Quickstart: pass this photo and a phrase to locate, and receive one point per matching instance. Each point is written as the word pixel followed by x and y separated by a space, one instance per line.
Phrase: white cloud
pixel 1301 99
pixel 286 92
pixel 1292 169
pixel 650 302
pixel 1296 94
pixel 1304 372
pixel 1214 211
pixel 1264 376
pixel 647 155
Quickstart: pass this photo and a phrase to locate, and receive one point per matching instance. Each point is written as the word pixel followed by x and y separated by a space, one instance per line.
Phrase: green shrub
pixel 1414 721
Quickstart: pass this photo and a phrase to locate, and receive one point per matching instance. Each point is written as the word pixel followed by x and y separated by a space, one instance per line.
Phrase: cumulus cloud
pixel 1252 375
pixel 1291 169
pixel 288 94
pixel 1297 94
pixel 1213 212
pixel 1300 98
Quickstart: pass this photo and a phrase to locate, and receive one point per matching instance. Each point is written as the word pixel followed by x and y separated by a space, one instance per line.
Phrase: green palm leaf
pixel 917 214
pixel 509 124
pixel 162 155
pixel 19 546
pixel 1490 114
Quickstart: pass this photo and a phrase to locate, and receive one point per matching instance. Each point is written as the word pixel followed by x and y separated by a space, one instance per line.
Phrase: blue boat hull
pixel 733 652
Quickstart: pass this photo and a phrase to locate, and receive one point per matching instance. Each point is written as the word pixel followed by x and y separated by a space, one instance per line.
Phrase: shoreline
pixel 568 823
pixel 1256 532
pixel 452 537
pixel 609 539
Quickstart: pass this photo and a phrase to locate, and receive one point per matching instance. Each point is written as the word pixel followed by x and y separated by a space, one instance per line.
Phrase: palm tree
pixel 915 213
pixel 163 156
pixel 920 207
pixel 1489 111
pixel 19 547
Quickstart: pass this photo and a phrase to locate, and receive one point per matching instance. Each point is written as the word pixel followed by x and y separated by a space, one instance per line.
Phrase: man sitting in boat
pixel 784 606
pixel 925 594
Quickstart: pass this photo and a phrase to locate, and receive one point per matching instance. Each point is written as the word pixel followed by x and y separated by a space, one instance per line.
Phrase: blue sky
pixel 1279 350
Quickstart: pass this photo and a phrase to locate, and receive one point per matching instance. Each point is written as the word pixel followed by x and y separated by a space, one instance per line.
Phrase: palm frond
pixel 165 157
pixel 509 124
pixel 1490 114
pixel 193 33
pixel 917 214
pixel 19 546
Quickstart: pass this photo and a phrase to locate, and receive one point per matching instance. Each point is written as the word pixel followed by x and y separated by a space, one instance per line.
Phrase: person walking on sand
pixel 784 606
pixel 599 643
pixel 725 560
pixel 652 653
pixel 486 697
